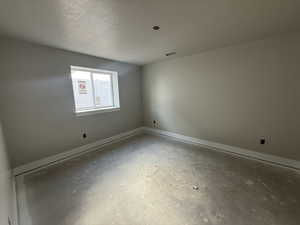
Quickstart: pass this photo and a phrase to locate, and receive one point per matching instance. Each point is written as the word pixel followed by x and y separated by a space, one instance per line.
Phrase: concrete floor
pixel 148 180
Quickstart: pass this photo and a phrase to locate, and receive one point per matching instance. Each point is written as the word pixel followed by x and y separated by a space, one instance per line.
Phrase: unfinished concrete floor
pixel 148 180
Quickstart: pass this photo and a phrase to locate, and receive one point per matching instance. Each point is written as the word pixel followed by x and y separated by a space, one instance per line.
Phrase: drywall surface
pixel 233 95
pixel 37 101
pixel 6 193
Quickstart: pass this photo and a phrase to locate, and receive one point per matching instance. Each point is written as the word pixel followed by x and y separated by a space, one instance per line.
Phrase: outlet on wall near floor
pixel 262 141
pixel 154 123
pixel 84 136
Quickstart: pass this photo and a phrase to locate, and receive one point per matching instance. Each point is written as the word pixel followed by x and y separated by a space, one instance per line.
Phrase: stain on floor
pixel 149 180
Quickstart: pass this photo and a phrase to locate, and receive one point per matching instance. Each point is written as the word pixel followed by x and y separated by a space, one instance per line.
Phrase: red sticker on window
pixel 82 87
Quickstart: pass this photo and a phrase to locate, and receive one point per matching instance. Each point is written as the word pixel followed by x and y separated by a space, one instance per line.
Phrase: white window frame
pixel 115 92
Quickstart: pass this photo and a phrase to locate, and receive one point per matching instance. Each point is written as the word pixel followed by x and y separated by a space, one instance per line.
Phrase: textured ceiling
pixel 122 29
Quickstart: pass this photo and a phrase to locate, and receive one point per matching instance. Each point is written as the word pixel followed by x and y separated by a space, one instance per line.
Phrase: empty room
pixel 158 112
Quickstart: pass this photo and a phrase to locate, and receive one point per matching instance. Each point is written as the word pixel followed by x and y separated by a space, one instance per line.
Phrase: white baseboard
pixel 45 162
pixel 275 160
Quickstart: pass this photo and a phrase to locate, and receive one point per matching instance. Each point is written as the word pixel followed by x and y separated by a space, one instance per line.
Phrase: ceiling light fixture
pixel 155 27
pixel 170 53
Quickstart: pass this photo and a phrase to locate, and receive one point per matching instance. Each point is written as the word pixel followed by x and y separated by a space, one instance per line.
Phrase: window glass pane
pixel 103 90
pixel 82 88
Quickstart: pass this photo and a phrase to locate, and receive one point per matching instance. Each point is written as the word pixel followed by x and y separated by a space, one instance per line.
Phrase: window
pixel 94 90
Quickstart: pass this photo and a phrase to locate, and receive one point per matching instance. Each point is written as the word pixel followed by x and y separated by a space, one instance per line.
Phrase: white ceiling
pixel 122 29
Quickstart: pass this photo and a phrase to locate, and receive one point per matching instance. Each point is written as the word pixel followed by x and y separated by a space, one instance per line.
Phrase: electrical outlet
pixel 154 123
pixel 262 141
pixel 84 135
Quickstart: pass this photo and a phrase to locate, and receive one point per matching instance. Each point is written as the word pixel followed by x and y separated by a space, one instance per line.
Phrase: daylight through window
pixel 95 90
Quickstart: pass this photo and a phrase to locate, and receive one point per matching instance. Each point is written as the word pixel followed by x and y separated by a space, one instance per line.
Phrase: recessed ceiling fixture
pixel 155 27
pixel 170 53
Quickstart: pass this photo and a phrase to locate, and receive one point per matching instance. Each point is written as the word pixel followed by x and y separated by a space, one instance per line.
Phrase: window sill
pixel 96 111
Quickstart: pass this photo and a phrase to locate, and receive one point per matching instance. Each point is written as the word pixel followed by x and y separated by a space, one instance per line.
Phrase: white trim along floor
pixel 241 152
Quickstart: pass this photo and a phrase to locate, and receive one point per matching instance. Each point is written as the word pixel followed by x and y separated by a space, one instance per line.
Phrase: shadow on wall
pixel 6 187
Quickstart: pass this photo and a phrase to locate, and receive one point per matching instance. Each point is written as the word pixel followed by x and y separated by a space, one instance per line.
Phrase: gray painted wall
pixel 6 194
pixel 36 103
pixel 233 95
